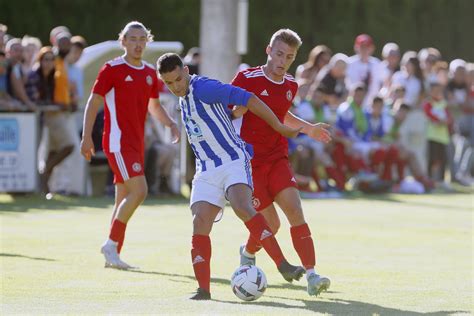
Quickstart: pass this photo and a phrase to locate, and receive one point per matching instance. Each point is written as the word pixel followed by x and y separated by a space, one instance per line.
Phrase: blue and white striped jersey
pixel 205 114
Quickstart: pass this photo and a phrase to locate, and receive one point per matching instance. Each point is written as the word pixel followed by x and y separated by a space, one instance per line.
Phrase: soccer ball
pixel 248 282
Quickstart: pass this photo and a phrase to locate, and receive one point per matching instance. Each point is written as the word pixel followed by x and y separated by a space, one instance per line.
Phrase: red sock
pixel 117 233
pixel 304 246
pixel 337 176
pixel 338 156
pixel 390 159
pixel 201 258
pixel 401 169
pixel 260 231
pixel 253 246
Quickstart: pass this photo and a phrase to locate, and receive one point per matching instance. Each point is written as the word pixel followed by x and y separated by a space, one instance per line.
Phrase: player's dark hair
pixel 168 62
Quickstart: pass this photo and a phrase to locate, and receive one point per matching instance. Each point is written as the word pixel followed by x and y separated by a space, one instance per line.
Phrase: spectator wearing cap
pixel 363 67
pixel 306 73
pixel 389 65
pixel 31 46
pixel 428 57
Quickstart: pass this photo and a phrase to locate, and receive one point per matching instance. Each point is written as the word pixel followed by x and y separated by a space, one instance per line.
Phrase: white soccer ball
pixel 248 282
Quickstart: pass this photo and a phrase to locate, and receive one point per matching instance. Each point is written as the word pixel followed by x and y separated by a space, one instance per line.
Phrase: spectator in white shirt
pixel 363 67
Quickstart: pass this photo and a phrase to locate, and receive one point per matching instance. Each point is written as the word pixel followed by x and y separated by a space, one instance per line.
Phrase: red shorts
pixel 269 180
pixel 126 165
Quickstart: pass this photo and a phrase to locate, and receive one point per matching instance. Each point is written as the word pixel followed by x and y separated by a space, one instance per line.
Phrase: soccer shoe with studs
pixel 112 259
pixel 201 295
pixel 290 272
pixel 244 260
pixel 317 284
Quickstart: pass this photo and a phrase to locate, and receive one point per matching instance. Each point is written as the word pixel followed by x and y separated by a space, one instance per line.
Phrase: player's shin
pixel 303 244
pixel 201 257
pixel 253 245
pixel 259 230
pixel 117 233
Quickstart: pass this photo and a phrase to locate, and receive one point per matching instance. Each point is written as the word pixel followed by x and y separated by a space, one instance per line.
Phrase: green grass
pixel 387 255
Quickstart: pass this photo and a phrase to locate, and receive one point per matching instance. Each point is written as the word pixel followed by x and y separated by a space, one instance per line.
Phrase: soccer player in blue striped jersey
pixel 222 163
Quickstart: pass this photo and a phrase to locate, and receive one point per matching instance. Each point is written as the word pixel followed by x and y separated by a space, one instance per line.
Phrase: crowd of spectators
pixel 410 111
pixel 409 114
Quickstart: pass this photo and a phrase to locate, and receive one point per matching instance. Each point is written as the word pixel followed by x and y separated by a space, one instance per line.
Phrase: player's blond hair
pixel 287 36
pixel 135 25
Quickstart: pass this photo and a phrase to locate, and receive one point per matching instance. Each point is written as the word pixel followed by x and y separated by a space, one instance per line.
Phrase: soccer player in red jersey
pixel 129 88
pixel 273 178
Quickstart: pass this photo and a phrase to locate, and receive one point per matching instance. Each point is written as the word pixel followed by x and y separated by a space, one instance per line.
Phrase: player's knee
pixel 201 222
pixel 243 208
pixel 140 193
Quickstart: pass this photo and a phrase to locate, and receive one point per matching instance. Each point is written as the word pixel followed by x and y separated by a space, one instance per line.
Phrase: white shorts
pixel 211 185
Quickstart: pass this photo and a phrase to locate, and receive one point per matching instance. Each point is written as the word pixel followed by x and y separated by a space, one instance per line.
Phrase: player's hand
pixel 287 131
pixel 175 133
pixel 320 132
pixel 87 148
pixel 238 111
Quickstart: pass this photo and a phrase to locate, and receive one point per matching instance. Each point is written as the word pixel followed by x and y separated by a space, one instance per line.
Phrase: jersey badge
pixel 289 95
pixel 149 80
pixel 136 167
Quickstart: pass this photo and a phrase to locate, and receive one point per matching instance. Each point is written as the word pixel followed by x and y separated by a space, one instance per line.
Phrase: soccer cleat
pixel 317 284
pixel 201 295
pixel 244 260
pixel 290 272
pixel 112 259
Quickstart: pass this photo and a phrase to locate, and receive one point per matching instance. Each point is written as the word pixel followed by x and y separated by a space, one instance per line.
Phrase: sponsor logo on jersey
pixel 198 259
pixel 137 167
pixel 265 234
pixel 289 95
pixel 264 93
pixel 128 78
pixel 255 202
pixel 149 80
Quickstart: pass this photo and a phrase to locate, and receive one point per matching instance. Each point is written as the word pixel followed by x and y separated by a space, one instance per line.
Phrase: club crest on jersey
pixel 255 202
pixel 149 80
pixel 289 95
pixel 137 167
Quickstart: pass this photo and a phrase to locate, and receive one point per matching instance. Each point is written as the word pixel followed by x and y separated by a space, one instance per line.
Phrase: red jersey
pixel 268 144
pixel 126 90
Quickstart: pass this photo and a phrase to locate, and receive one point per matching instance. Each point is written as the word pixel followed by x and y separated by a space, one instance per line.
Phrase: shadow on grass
pixel 220 280
pixel 397 198
pixel 339 307
pixel 328 306
pixel 25 257
pixel 25 203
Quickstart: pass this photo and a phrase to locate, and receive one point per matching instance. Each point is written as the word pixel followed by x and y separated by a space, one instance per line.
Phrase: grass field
pixel 387 255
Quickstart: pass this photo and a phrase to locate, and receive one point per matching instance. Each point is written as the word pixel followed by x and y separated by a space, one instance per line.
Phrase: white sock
pixel 247 254
pixel 309 272
pixel 111 242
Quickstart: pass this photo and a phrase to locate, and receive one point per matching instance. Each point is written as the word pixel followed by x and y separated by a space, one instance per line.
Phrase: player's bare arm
pixel 158 112
pixel 265 113
pixel 87 145
pixel 318 131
